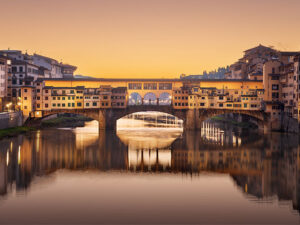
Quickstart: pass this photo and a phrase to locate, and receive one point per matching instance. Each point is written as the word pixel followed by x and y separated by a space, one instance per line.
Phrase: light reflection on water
pixel 217 175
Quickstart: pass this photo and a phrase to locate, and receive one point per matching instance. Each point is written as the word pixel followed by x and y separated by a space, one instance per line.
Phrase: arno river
pixel 219 175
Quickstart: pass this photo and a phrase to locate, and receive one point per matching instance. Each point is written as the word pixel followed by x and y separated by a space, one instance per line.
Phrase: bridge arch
pixel 135 99
pixel 149 99
pixel 260 118
pixel 149 119
pixel 165 99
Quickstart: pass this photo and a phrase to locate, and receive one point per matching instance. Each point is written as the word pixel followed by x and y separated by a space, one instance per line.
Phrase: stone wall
pixel 11 119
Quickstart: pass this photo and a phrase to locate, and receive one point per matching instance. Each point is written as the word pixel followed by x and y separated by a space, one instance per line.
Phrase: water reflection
pixel 264 168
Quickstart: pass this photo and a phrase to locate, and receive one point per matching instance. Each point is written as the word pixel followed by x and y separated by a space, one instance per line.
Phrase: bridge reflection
pixel 262 167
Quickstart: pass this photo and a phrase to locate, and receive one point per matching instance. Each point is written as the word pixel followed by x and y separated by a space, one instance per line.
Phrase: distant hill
pixel 214 74
pixel 78 76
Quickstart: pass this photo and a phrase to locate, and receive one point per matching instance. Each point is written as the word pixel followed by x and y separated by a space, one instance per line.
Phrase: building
pixel 26 69
pixel 5 83
pixel 251 65
pixel 57 70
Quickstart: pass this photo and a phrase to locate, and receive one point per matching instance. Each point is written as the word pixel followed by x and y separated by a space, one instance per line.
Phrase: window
pixel 46 91
pixel 73 104
pixel 25 90
pixel 63 105
pixel 135 86
pixel 54 98
pixel 220 104
pixel 94 103
pixel 25 98
pixel 46 98
pixel 58 104
pixel 38 105
pixel 275 87
pixel 202 104
pixel 273 70
pixel 46 105
pixel 150 86
pixel 53 105
pixel 275 95
pixel 87 104
pixel 69 104
pixel 79 104
pixel 38 90
pixel 221 97
pixel 63 98
pixel 165 86
pixel 245 105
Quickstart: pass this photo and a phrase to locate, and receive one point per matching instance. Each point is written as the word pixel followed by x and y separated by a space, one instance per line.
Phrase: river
pixel 220 174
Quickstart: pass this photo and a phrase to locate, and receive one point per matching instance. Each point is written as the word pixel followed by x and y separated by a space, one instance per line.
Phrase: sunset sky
pixel 148 38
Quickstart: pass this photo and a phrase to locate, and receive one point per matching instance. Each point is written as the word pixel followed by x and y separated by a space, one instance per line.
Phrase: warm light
pixel 37 113
pixel 7 157
pixel 19 155
pixel 19 103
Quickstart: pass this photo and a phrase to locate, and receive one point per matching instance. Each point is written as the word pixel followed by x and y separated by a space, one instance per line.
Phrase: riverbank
pixel 64 121
pixel 14 131
pixel 233 122
pixel 61 121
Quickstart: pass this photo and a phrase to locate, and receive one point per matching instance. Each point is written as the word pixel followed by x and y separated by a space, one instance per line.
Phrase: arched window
pixel 165 99
pixel 135 99
pixel 150 99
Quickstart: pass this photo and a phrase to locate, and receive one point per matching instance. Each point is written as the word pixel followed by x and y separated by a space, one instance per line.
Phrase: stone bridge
pixel 192 118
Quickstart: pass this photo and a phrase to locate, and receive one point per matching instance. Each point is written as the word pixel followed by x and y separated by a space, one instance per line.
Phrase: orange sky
pixel 148 38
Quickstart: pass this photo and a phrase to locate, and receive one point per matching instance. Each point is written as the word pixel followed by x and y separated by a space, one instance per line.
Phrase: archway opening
pixel 230 129
pixel 149 136
pixel 149 119
pixel 135 99
pixel 165 99
pixel 150 99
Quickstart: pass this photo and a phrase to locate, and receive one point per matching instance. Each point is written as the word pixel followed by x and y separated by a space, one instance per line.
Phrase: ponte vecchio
pixel 107 100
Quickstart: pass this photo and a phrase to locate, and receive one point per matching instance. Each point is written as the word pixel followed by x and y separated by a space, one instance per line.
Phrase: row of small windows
pixel 150 86
pixel 79 104
pixel 183 98
pixel 220 105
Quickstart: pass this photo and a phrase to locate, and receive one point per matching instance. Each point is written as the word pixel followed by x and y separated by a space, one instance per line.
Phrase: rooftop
pixel 145 80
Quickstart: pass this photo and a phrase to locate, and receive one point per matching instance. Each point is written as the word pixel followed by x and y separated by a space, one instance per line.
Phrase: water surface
pixel 218 175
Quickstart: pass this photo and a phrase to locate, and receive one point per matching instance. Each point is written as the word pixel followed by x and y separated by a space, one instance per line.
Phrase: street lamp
pixel 8 105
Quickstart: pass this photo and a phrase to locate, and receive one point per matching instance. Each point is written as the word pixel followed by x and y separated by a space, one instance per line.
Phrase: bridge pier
pixel 102 120
pixel 193 120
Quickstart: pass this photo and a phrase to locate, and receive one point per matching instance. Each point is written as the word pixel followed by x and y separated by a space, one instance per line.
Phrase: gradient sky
pixel 148 38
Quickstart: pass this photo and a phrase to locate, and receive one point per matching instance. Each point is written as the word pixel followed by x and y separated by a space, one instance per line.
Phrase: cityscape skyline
pixel 158 39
